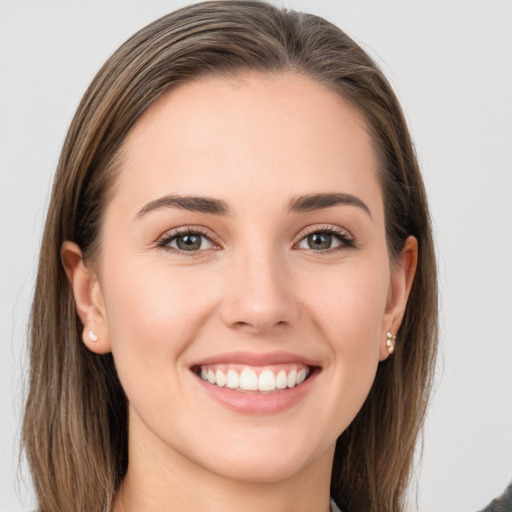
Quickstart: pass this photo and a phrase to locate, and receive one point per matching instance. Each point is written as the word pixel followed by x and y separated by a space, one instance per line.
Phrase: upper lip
pixel 256 359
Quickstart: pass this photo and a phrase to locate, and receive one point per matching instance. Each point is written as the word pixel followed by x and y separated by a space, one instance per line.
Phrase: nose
pixel 259 295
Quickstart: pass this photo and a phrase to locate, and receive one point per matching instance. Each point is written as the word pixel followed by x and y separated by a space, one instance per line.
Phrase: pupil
pixel 189 242
pixel 319 241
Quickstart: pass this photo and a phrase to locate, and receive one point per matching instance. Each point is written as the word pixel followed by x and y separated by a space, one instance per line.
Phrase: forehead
pixel 245 139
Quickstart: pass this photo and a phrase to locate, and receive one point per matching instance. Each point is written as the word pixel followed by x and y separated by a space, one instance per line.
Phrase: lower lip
pixel 258 403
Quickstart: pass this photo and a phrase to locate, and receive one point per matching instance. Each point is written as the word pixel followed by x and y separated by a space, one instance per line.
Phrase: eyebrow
pixel 209 205
pixel 318 201
pixel 191 203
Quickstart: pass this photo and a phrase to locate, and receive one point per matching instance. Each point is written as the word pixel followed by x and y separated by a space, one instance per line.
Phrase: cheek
pixel 156 313
pixel 349 307
pixel 349 314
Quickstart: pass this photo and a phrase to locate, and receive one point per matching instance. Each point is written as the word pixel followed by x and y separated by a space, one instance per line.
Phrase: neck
pixel 160 480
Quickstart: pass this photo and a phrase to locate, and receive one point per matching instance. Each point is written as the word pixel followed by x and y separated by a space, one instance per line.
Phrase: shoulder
pixel 334 507
pixel 501 504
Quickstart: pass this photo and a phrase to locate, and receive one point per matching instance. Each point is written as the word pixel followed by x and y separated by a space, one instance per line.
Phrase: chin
pixel 262 470
pixel 267 460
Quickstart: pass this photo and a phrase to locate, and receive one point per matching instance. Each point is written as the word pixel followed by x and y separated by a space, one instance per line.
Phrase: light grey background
pixel 451 65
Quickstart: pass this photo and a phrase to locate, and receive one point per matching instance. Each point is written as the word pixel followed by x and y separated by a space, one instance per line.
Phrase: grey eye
pixel 319 241
pixel 189 242
pixel 322 241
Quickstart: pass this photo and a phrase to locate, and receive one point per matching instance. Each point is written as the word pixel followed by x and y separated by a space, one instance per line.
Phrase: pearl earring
pixel 93 336
pixel 390 342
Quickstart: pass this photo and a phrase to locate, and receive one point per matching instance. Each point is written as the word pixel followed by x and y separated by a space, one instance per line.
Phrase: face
pixel 243 281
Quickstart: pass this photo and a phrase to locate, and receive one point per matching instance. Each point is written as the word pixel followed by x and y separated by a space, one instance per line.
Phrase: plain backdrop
pixel 450 63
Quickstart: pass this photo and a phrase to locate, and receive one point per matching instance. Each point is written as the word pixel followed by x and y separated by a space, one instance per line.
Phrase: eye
pixel 187 241
pixel 326 239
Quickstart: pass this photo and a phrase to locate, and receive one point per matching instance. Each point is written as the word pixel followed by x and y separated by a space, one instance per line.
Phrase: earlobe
pixel 88 298
pixel 402 278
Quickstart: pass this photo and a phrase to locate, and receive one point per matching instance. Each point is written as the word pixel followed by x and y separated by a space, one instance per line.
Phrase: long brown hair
pixel 75 425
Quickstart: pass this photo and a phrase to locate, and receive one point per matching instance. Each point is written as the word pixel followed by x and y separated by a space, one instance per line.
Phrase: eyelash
pixel 166 239
pixel 344 237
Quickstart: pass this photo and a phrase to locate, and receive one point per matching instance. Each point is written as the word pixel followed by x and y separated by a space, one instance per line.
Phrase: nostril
pixel 241 324
pixel 258 325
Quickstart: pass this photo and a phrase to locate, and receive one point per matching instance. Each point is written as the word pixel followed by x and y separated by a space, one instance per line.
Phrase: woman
pixel 238 242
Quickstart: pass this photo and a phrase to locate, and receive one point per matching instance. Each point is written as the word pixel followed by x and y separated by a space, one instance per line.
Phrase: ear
pixel 402 277
pixel 88 298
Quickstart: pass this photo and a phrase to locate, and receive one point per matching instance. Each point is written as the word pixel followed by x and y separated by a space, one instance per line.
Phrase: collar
pixel 334 507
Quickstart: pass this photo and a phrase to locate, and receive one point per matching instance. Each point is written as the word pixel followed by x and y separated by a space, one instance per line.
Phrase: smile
pixel 261 384
pixel 247 378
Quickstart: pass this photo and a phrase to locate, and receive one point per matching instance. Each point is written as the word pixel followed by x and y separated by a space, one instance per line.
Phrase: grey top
pixel 501 504
pixel 334 507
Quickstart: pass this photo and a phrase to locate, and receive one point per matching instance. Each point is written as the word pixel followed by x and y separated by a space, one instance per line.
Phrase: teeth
pixel 281 380
pixel 249 380
pixel 232 379
pixel 266 381
pixel 291 381
pixel 220 378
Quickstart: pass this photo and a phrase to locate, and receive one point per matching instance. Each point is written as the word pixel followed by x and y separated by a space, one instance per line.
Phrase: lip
pixel 255 359
pixel 257 403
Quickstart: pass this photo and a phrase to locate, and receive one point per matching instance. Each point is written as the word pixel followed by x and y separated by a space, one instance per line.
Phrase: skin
pixel 255 143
